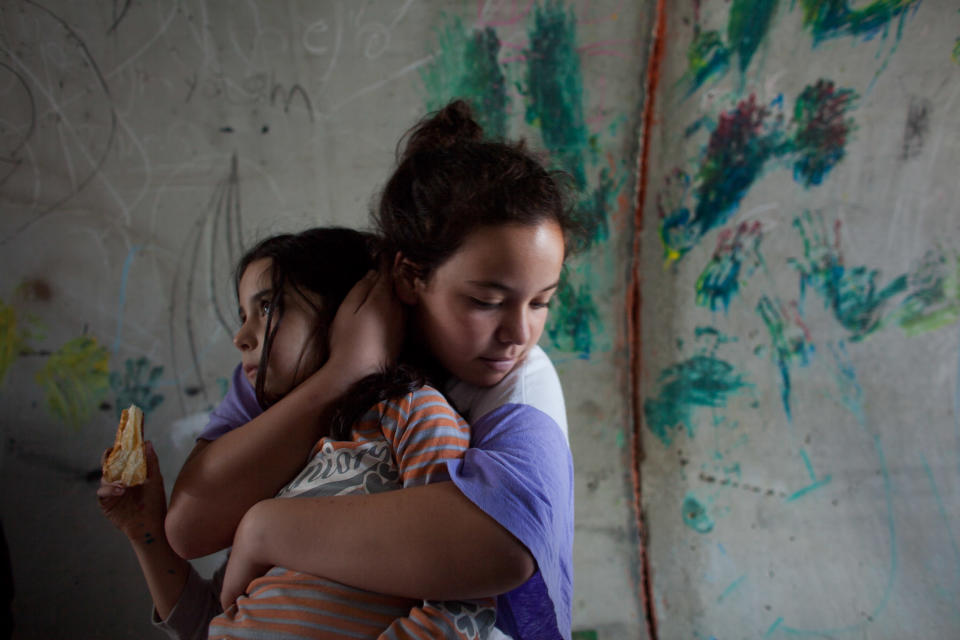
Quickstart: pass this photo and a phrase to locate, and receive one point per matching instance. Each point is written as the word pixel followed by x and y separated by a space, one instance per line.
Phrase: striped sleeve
pixel 424 431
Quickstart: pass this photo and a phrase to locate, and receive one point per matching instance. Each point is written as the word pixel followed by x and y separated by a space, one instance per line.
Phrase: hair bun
pixel 450 125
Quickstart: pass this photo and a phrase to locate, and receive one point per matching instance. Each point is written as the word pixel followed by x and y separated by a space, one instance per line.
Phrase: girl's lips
pixel 499 364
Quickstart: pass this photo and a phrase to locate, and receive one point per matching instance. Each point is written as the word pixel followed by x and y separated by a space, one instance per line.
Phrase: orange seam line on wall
pixel 634 305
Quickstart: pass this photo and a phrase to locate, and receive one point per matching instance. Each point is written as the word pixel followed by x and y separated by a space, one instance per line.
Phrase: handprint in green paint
pixel 131 388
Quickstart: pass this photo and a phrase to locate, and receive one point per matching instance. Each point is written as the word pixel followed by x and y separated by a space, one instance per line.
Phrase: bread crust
pixel 127 461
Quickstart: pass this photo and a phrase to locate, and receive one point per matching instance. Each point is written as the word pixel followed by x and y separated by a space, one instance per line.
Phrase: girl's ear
pixel 406 280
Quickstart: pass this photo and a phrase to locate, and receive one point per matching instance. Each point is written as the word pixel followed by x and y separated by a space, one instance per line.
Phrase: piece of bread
pixel 127 462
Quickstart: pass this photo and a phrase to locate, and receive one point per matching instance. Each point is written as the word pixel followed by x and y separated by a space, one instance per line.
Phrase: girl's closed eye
pixel 541 304
pixel 484 304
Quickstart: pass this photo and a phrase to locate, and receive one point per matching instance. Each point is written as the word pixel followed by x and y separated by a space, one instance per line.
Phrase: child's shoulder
pixel 424 397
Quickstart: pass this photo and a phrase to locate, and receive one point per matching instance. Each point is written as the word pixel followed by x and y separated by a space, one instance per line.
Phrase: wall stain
pixel 695 514
pixel 916 128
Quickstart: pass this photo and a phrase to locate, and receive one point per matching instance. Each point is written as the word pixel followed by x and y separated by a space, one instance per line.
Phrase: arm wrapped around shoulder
pixel 127 463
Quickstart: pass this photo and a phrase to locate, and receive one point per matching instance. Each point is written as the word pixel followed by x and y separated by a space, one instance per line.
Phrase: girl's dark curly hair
pixel 450 180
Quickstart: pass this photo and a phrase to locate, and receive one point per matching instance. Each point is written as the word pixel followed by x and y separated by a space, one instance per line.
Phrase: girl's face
pixel 296 351
pixel 483 309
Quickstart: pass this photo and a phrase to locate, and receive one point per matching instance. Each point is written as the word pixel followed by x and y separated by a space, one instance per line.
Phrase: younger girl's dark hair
pixel 450 181
pixel 327 262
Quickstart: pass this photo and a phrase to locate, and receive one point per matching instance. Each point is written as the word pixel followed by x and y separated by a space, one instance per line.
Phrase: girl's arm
pixel 222 479
pixel 427 542
pixel 139 512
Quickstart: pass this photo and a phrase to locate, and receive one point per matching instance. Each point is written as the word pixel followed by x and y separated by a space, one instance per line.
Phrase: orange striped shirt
pixel 398 443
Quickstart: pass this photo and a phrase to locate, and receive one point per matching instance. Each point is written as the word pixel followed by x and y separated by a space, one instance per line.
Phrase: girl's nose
pixel 514 328
pixel 244 338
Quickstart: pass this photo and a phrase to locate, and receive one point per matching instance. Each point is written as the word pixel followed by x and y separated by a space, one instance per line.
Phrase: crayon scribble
pixel 466 66
pixel 736 257
pixel 701 381
pixel 791 342
pixel 749 21
pixel 131 388
pixel 75 380
pixel 707 56
pixel 852 294
pixel 821 130
pixel 695 514
pixel 834 18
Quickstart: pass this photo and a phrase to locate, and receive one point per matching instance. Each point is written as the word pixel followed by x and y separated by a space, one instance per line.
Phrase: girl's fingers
pixel 110 490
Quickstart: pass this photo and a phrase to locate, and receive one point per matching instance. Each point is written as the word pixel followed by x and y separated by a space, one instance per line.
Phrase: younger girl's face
pixel 296 351
pixel 484 308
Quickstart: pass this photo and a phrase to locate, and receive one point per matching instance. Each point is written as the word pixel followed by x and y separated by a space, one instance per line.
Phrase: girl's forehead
pixel 257 275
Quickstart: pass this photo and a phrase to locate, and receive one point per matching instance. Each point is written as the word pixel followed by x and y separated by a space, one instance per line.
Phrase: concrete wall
pixel 144 144
pixel 801 289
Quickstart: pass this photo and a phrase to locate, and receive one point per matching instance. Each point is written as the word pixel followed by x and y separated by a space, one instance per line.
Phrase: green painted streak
pixel 466 66
pixel 572 321
pixel 695 515
pixel 831 18
pixel 748 24
pixel 804 491
pixel 11 339
pixel 733 587
pixel 555 88
pixel 956 51
pixel 75 379
pixel 934 303
pixel 589 634
pixel 773 627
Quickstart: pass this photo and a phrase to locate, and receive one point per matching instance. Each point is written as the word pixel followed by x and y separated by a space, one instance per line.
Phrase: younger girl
pixel 478 232
pixel 289 288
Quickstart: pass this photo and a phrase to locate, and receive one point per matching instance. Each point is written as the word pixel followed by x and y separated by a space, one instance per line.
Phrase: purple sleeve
pixel 520 472
pixel 237 408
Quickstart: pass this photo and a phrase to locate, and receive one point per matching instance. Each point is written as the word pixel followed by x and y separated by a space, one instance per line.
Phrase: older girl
pixel 478 231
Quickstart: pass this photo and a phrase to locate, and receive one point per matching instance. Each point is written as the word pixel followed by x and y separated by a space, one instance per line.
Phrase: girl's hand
pixel 136 511
pixel 367 332
pixel 243 566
